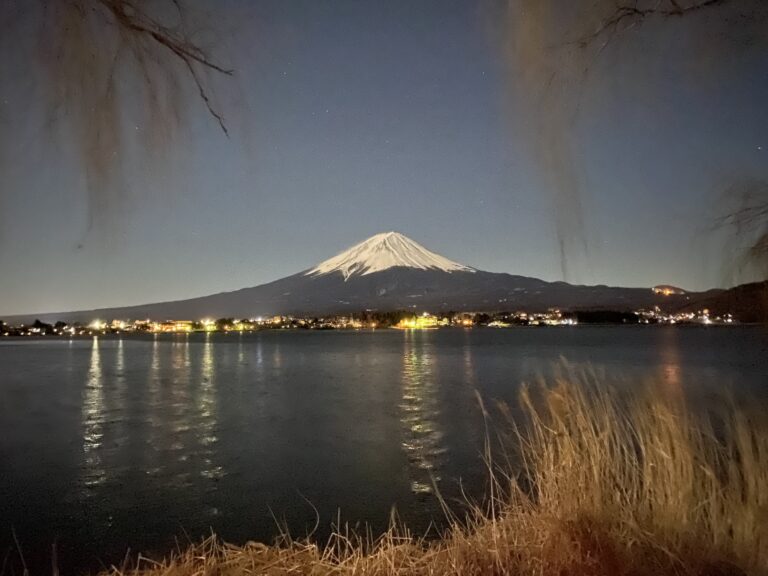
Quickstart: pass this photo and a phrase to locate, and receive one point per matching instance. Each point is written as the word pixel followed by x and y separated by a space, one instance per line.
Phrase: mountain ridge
pixel 387 272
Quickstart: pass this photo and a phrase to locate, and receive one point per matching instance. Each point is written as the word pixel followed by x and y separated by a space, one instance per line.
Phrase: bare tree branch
pixel 633 14
pixel 133 19
pixel 748 224
pixel 118 78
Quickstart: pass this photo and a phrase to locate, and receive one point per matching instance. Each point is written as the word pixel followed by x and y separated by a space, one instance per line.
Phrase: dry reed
pixel 597 483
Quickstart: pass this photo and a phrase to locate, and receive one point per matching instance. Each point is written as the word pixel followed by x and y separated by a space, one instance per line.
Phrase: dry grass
pixel 603 485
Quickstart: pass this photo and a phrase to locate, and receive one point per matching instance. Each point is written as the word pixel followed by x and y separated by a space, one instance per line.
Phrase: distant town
pixel 366 320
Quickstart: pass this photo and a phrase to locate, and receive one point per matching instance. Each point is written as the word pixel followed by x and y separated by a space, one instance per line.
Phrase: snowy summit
pixel 382 251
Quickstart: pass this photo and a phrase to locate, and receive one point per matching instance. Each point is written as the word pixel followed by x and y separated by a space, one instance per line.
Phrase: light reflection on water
pixel 240 354
pixel 420 414
pixel 154 417
pixel 172 416
pixel 670 365
pixel 93 420
pixel 181 430
pixel 259 356
pixel 120 362
pixel 118 400
pixel 469 368
pixel 206 408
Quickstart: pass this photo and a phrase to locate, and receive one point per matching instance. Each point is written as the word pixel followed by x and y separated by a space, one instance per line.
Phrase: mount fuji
pixel 388 271
pixel 384 251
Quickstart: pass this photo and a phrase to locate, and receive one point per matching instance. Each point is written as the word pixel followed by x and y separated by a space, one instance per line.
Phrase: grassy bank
pixel 595 484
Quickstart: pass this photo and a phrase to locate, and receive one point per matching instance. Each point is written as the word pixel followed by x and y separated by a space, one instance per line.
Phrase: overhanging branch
pixel 131 18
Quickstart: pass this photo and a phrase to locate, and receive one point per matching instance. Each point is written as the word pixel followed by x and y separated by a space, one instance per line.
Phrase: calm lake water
pixel 114 443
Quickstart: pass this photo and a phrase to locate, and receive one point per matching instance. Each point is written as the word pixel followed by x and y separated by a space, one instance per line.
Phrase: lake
pixel 140 442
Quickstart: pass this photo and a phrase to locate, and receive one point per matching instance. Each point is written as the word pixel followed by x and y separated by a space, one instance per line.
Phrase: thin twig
pixel 183 48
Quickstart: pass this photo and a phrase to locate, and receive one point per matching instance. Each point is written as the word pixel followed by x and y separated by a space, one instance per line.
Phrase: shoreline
pixel 391 329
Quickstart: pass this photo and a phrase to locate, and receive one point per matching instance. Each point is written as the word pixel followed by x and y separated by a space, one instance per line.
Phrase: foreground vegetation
pixel 595 484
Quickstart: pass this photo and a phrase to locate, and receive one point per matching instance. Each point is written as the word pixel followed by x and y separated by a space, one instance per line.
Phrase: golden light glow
pixel 667 290
pixel 423 322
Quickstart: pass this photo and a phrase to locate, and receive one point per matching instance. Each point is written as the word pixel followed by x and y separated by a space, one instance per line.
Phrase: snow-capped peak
pixel 383 251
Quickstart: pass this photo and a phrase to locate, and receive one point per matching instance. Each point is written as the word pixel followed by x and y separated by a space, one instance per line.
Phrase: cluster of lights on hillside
pixel 658 316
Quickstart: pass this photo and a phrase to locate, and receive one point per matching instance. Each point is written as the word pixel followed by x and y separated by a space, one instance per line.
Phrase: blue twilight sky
pixel 350 118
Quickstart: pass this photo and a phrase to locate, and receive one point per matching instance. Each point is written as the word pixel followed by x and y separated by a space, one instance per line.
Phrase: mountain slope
pixel 747 302
pixel 386 272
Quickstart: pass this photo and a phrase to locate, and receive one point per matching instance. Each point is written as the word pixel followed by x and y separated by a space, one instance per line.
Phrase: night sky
pixel 351 118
